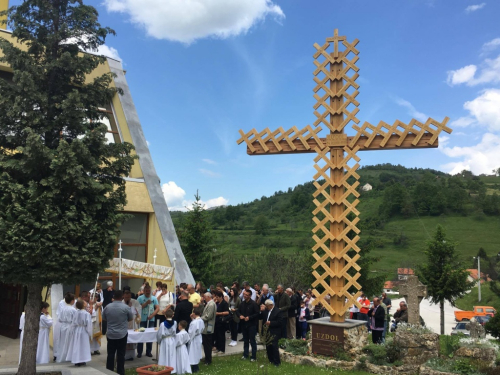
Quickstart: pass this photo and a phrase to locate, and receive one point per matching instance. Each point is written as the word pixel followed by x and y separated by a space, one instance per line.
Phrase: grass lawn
pixel 234 365
pixel 488 298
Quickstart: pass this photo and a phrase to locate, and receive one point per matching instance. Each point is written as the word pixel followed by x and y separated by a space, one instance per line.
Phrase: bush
pixel 377 354
pixel 493 326
pixel 293 346
pixel 448 345
pixel 393 352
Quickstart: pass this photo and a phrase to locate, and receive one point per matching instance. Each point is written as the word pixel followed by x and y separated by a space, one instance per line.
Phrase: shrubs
pixel 293 346
pixel 383 354
pixel 448 345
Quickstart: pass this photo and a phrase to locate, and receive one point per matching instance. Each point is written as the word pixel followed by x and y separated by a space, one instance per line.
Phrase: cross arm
pixel 382 137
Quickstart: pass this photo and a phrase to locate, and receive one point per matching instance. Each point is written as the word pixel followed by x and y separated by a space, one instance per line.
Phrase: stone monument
pixel 476 330
pixel 413 291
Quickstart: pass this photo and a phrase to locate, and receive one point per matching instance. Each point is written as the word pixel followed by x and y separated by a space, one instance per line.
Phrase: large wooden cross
pixel 336 216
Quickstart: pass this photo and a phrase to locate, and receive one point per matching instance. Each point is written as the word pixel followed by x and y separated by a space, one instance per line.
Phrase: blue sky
pixel 200 70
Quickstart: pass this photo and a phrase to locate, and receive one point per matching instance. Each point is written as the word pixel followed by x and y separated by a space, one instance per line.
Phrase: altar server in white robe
pixel 182 356
pixel 79 347
pixel 43 348
pixel 66 332
pixel 166 339
pixel 196 328
pixel 56 327
pixel 21 327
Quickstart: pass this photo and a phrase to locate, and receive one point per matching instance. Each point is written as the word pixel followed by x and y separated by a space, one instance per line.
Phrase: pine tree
pixel 444 275
pixel 197 241
pixel 61 183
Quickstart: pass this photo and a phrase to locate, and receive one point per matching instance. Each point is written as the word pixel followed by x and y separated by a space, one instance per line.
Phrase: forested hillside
pixel 397 217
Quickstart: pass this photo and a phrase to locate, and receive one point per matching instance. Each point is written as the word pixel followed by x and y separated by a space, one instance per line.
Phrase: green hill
pixel 397 217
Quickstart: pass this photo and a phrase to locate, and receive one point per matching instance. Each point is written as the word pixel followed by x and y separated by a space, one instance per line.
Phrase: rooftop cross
pixel 336 216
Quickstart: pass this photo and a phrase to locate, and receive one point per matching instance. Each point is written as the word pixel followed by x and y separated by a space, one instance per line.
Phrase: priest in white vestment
pixel 79 347
pixel 181 355
pixel 65 318
pixel 166 339
pixel 56 331
pixel 43 348
pixel 135 308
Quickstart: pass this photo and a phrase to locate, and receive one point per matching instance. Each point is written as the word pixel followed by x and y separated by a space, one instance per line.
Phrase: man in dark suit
pixel 184 309
pixel 272 318
pixel 377 317
pixel 282 302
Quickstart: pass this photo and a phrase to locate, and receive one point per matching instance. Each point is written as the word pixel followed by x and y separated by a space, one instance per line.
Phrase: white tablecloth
pixel 149 335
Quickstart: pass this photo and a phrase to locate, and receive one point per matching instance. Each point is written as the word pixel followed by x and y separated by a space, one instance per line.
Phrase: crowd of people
pixel 189 321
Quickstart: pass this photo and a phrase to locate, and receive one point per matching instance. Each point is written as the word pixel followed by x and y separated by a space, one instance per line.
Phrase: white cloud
pixel 473 8
pixel 462 122
pixel 490 73
pixel 485 109
pixel 412 110
pixel 175 198
pixel 173 194
pixel 462 75
pixel 108 52
pixel 209 161
pixel 188 20
pixel 481 158
pixel 491 45
pixel 209 173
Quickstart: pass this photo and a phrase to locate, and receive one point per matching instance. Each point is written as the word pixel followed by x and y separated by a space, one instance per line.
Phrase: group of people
pixel 189 321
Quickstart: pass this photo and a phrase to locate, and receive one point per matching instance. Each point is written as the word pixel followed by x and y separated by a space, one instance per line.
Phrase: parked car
pixel 460 328
pixel 476 311
pixel 482 319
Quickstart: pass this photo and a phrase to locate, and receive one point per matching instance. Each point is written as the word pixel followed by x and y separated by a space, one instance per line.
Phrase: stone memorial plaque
pixel 325 338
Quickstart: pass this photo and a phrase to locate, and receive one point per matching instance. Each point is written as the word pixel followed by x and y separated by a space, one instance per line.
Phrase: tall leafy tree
pixel 61 183
pixel 444 275
pixel 197 239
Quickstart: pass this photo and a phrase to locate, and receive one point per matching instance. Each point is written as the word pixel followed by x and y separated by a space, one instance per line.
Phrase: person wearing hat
pixel 272 319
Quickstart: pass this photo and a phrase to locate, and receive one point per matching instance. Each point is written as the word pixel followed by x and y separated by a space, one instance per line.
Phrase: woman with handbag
pixel 166 302
pixel 234 303
pixel 221 318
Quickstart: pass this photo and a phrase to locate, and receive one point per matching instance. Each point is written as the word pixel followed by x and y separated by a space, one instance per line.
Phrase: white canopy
pixel 140 269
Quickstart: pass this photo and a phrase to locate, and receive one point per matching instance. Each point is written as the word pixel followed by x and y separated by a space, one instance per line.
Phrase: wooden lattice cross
pixel 336 216
pixel 413 291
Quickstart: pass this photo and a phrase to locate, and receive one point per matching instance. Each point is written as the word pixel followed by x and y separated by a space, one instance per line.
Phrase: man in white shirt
pixel 246 286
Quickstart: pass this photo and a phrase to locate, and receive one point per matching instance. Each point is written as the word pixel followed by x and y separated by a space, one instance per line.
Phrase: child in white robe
pixel 79 347
pixel 195 343
pixel 182 356
pixel 56 327
pixel 65 317
pixel 21 327
pixel 43 348
pixel 166 339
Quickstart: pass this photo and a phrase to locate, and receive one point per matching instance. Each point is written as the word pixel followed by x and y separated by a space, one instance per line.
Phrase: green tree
pixel 444 275
pixel 261 225
pixel 62 184
pixel 197 239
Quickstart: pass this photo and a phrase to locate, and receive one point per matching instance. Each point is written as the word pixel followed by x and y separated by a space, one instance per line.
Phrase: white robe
pixel 166 339
pixel 196 328
pixel 43 348
pixel 21 327
pixel 66 332
pixel 182 357
pixel 79 347
pixel 136 309
pixel 56 331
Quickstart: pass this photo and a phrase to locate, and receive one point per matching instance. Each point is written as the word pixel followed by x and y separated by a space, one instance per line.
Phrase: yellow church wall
pixel 137 197
pixel 156 241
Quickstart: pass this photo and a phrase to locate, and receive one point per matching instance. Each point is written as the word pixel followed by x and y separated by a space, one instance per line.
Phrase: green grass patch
pixel 234 365
pixel 488 298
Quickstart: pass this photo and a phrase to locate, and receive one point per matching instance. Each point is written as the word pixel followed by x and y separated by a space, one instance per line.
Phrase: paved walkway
pixel 9 356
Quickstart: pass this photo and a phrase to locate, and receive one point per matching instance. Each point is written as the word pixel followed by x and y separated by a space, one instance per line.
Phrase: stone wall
pixel 355 339
pixel 417 348
pixel 486 355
